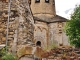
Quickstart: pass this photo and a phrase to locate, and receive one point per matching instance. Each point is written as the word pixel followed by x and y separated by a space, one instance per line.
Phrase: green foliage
pixel 2 51
pixel 6 55
pixel 72 28
pixel 9 56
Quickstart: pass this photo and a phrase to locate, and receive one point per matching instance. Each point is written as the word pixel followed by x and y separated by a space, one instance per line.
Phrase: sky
pixel 65 8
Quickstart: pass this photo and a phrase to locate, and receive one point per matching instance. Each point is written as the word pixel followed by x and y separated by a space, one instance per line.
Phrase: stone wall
pixel 53 35
pixel 65 37
pixel 57 34
pixel 21 24
pixel 50 34
pixel 41 33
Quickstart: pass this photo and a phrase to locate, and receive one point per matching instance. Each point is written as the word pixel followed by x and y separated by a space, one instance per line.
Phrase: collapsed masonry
pixel 20 24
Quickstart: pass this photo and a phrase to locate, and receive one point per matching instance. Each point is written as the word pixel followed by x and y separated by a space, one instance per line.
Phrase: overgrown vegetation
pixel 51 46
pixel 2 51
pixel 72 28
pixel 7 55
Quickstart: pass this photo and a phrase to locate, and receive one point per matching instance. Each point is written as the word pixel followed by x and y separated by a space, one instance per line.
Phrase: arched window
pixel 47 1
pixel 37 1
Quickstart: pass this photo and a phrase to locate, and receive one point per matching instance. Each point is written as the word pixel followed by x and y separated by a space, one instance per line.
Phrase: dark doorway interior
pixel 38 43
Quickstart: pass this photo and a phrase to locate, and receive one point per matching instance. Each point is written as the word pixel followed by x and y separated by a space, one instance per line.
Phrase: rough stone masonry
pixel 21 24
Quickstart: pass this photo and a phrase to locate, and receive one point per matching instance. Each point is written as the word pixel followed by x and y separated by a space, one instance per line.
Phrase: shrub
pixel 9 56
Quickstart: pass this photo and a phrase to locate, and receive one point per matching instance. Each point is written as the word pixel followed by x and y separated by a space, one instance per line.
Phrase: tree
pixel 72 28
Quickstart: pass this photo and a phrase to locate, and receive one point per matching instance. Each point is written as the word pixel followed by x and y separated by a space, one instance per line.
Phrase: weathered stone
pixel 19 33
pixel 46 31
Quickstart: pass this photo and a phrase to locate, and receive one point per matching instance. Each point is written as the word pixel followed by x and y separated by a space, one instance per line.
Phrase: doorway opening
pixel 38 43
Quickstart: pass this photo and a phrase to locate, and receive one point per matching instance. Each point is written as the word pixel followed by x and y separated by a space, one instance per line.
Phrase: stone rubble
pixel 62 53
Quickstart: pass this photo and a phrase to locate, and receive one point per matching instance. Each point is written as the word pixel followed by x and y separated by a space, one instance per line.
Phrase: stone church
pixel 32 22
pixel 48 25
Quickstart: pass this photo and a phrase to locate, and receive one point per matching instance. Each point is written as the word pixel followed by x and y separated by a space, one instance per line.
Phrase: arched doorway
pixel 38 43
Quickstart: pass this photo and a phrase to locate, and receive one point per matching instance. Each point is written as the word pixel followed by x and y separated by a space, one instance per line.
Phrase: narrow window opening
pixel 47 1
pixel 37 1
